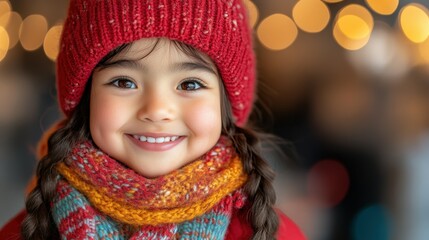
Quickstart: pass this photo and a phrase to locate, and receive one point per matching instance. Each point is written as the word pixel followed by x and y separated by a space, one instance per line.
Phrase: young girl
pixel 156 94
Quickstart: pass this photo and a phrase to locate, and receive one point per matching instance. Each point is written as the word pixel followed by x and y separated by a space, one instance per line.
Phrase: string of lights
pixel 351 26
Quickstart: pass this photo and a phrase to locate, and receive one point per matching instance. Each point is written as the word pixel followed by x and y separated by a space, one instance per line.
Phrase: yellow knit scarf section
pixel 227 182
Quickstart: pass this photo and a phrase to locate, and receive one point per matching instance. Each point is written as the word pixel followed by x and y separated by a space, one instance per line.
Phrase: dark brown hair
pixel 259 189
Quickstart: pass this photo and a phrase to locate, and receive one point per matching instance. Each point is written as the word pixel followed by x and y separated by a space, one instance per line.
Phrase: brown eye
pixel 124 83
pixel 190 85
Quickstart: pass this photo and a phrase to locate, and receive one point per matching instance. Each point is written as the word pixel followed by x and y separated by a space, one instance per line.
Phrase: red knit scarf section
pixel 207 186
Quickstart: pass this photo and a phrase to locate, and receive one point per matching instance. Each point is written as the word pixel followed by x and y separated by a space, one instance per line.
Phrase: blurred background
pixel 346 84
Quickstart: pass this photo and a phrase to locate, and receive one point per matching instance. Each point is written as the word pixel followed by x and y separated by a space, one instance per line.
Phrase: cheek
pixel 104 116
pixel 96 112
pixel 205 119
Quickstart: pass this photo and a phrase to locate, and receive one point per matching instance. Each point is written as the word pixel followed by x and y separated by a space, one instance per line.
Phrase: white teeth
pixel 156 140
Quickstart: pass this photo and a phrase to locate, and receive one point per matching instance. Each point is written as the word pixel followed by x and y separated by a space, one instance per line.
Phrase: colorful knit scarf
pixel 99 198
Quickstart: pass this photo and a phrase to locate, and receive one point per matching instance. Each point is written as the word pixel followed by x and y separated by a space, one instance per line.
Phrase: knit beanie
pixel 218 28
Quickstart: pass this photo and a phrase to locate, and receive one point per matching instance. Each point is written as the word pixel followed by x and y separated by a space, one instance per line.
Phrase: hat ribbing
pixel 219 28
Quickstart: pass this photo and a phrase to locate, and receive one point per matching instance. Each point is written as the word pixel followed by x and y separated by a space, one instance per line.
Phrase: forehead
pixel 169 49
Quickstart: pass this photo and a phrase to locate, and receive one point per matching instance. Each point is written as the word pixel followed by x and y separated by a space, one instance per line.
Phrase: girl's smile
pixel 154 107
pixel 150 142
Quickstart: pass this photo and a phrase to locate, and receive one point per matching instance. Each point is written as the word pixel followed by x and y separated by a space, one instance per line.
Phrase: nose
pixel 156 107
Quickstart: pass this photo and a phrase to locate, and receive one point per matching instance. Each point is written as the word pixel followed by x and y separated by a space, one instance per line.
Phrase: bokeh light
pixel 383 55
pixel 32 32
pixel 4 43
pixel 52 41
pixel 328 181
pixel 414 22
pixel 383 7
pixel 353 27
pixel 371 223
pixel 277 32
pixel 346 42
pixel 14 22
pixel 5 7
pixel 311 15
pixel 360 12
pixel 253 12
pixel 4 11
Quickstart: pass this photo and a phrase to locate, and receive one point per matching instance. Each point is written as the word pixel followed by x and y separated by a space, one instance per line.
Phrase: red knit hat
pixel 218 28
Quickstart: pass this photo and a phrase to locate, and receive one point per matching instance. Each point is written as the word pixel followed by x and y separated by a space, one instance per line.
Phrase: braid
pixel 258 188
pixel 39 223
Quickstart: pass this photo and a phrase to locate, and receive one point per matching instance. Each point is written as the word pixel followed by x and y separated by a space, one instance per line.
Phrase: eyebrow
pixel 182 66
pixel 126 63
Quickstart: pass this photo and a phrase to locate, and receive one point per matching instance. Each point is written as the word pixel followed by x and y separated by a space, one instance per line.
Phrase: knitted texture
pixel 76 218
pixel 218 28
pixel 130 198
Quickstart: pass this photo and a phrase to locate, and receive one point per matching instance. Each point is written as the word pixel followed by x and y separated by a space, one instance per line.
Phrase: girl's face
pixel 155 111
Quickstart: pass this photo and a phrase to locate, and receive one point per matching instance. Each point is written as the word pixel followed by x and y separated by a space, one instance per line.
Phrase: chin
pixel 152 174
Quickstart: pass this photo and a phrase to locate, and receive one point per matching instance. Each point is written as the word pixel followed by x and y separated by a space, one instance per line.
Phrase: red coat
pixel 238 229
